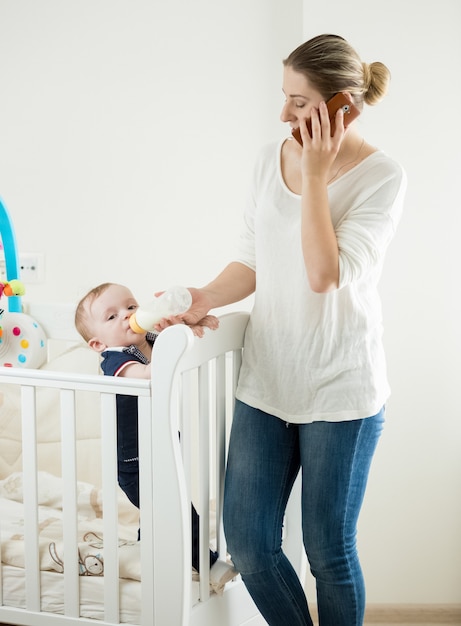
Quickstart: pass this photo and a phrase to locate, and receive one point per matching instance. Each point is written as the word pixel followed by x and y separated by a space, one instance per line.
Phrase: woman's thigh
pixel 335 459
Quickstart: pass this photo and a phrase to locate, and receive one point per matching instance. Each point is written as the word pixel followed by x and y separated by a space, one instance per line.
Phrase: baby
pixel 102 319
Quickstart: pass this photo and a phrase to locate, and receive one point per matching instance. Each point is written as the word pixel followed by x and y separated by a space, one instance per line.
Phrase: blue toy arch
pixel 10 251
pixel 22 340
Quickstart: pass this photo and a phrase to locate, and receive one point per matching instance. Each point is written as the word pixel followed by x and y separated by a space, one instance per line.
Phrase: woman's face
pixel 300 97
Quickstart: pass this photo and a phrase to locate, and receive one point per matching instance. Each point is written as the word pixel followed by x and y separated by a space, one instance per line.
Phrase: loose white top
pixel 311 356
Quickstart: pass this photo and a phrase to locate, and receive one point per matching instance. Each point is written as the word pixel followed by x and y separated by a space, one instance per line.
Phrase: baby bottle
pixel 174 301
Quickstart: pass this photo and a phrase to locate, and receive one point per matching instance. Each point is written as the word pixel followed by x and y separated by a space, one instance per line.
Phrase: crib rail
pixel 191 392
pixel 210 368
pixel 68 385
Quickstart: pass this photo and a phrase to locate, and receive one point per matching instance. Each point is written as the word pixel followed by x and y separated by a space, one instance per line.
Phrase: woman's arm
pixel 318 238
pixel 234 283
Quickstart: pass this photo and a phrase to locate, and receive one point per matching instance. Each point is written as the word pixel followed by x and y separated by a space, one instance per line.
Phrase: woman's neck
pixel 349 155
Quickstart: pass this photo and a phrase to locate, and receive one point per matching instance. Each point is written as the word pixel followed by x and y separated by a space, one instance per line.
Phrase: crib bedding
pixel 90 528
pixel 52 594
pixel 90 553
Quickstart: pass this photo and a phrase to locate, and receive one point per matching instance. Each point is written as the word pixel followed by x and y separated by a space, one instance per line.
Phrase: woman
pixel 313 385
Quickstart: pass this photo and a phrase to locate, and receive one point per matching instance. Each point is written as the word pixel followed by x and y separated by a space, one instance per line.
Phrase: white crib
pixel 147 582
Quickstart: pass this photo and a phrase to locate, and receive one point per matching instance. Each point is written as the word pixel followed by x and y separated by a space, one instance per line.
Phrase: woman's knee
pixel 251 548
pixel 332 559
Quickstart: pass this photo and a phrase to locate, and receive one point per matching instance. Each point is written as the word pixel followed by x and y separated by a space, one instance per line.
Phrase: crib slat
pixel 146 517
pixel 69 503
pixel 204 478
pixel 220 443
pixel 30 488
pixel 110 508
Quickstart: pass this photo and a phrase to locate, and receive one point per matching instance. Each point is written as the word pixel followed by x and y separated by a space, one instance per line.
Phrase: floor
pixel 261 622
pixel 440 615
pixel 412 623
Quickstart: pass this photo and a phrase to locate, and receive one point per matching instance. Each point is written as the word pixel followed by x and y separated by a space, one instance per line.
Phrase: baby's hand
pixel 165 322
pixel 209 321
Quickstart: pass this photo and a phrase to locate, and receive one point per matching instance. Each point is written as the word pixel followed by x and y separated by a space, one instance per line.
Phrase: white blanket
pixel 90 552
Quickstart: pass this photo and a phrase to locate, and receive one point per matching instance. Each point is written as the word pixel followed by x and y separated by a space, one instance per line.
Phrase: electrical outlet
pixel 31 267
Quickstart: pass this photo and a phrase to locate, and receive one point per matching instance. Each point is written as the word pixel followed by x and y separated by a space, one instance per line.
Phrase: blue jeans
pixel 265 456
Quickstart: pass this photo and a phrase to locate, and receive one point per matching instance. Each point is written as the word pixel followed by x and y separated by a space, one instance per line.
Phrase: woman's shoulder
pixel 269 151
pixel 377 171
pixel 382 178
pixel 382 162
pixel 266 162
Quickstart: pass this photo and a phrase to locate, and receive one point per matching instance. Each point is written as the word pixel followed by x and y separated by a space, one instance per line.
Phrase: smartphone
pixel 338 101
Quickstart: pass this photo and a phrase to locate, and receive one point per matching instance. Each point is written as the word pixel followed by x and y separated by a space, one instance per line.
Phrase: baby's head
pixel 83 316
pixel 102 316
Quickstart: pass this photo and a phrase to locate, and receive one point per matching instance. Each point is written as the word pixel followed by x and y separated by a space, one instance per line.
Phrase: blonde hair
pixel 82 318
pixel 331 65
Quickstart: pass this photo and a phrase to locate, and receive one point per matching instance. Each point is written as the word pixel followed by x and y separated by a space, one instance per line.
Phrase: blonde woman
pixel 313 383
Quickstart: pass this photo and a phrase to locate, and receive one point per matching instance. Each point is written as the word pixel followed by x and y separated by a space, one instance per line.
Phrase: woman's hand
pixel 196 316
pixel 199 308
pixel 320 149
pixel 234 283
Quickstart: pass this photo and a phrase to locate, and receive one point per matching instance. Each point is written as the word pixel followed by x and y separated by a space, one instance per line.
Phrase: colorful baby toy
pixel 22 340
pixel 12 288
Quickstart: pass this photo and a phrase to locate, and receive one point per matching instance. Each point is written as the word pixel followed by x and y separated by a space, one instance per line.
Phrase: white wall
pixel 128 130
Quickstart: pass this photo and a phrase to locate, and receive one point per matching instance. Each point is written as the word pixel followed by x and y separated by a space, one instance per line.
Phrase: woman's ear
pixel 96 345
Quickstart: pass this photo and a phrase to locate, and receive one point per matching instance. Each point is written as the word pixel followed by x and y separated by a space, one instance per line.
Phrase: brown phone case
pixel 338 101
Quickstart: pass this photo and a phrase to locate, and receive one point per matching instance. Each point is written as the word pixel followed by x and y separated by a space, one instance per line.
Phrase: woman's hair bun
pixel 376 78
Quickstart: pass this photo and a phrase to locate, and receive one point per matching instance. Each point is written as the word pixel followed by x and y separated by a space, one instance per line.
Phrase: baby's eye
pixel 111 317
pixel 132 307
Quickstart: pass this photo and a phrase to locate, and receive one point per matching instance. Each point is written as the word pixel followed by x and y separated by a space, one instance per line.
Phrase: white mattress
pixel 91 594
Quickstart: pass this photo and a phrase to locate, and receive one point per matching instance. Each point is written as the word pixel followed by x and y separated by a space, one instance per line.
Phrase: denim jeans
pixel 265 456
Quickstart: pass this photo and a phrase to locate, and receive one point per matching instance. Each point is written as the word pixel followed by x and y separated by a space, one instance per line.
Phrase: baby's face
pixel 110 314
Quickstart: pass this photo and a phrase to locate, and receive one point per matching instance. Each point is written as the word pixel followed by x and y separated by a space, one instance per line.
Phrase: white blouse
pixel 311 356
